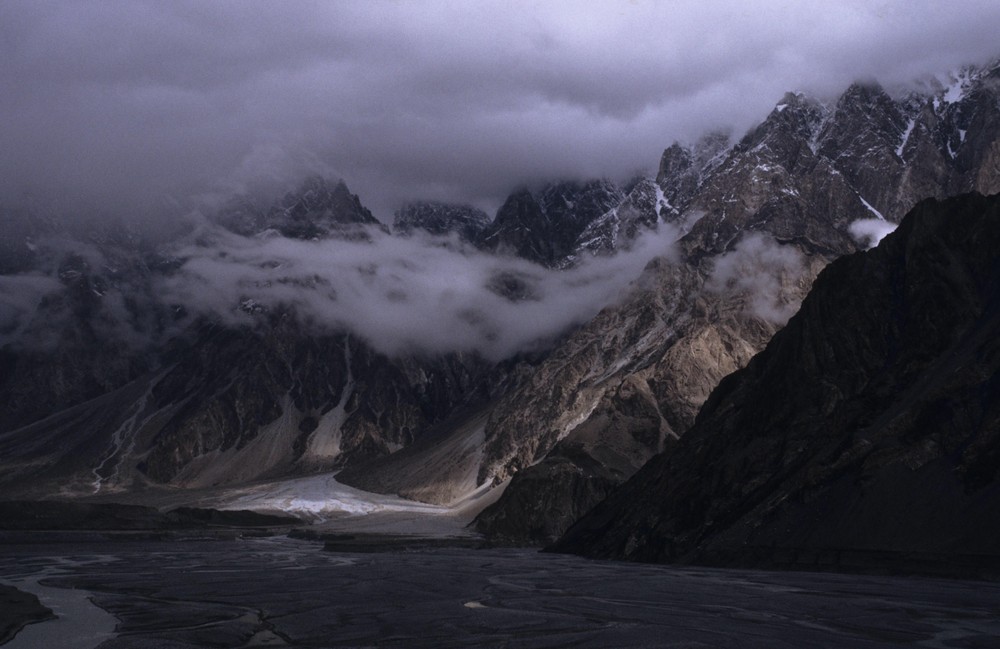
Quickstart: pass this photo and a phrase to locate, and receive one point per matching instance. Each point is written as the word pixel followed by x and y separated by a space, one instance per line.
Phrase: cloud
pixel 870 232
pixel 126 107
pixel 760 269
pixel 402 294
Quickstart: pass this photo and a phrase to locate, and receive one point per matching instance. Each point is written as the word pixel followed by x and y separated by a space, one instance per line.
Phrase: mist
pixel 139 109
pixel 758 268
pixel 418 294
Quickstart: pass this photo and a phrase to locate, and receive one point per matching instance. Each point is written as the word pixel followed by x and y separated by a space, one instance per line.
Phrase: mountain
pixel 616 229
pixel 318 209
pixel 869 424
pixel 107 384
pixel 78 320
pixel 204 359
pixel 441 219
pixel 544 227
pixel 758 220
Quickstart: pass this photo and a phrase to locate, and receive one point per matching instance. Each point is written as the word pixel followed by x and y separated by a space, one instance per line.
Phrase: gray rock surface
pixel 869 424
pixel 544 227
pixel 762 218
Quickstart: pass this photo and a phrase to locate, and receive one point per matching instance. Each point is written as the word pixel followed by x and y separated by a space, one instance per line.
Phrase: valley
pixel 283 593
pixel 444 325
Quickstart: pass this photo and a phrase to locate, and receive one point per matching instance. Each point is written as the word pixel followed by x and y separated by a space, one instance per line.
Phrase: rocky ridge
pixel 756 221
pixel 869 424
pixel 761 219
pixel 318 209
pixel 544 227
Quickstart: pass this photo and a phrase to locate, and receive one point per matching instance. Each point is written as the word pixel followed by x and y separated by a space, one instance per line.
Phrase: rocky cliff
pixel 758 221
pixel 869 424
pixel 544 226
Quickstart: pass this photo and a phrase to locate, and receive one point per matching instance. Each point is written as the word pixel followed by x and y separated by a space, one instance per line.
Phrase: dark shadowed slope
pixel 871 423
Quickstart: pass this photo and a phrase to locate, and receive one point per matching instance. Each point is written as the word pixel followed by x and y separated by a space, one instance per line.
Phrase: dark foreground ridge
pixel 866 435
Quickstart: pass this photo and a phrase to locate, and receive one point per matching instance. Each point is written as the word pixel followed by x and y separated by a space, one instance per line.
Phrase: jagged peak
pixel 796 101
pixel 798 116
pixel 795 108
pixel 573 186
pixel 865 104
pixel 676 158
pixel 317 189
pixel 861 93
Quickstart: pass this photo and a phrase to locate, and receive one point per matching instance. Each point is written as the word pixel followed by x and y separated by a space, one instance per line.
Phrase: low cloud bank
pixel 417 294
pixel 424 294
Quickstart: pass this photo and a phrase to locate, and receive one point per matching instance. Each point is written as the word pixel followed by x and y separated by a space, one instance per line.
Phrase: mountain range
pixel 235 350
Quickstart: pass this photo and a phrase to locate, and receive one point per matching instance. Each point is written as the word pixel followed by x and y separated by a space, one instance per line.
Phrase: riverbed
pixel 285 592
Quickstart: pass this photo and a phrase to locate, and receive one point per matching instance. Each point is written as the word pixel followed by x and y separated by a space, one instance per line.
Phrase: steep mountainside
pixel 106 384
pixel 617 228
pixel 761 219
pixel 870 423
pixel 117 371
pixel 544 227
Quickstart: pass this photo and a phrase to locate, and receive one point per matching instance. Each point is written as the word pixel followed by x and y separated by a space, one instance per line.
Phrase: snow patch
pixel 871 208
pixel 906 136
pixel 661 203
pixel 955 92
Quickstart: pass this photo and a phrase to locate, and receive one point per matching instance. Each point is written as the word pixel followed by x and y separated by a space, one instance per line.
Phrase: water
pixel 80 624
pixel 281 592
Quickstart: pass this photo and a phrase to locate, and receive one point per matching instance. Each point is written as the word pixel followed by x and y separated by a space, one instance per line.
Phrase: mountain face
pixel 616 229
pixel 544 227
pixel 124 388
pixel 869 423
pixel 317 210
pixel 101 323
pixel 759 221
pixel 89 332
pixel 107 385
pixel 441 219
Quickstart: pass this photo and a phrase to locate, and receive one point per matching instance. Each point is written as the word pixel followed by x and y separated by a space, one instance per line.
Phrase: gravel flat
pixel 284 592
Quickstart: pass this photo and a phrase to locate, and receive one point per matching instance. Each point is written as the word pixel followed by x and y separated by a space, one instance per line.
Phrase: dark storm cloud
pixel 127 106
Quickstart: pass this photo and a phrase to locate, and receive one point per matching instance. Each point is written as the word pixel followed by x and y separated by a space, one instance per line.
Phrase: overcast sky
pixel 127 106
